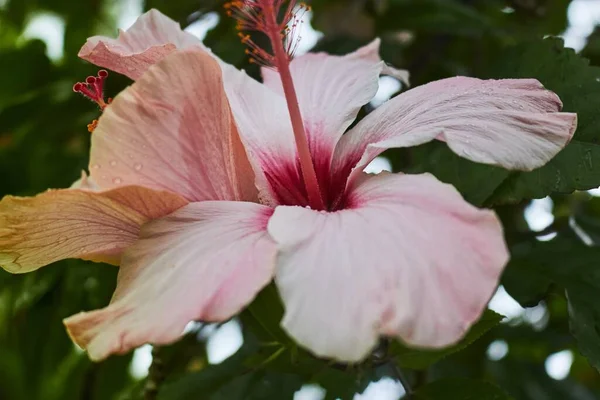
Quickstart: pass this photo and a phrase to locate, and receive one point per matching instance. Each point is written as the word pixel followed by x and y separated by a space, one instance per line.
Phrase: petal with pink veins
pixel 76 223
pixel 331 90
pixel 371 52
pixel 265 128
pixel 513 123
pixel 204 262
pixel 150 39
pixel 173 130
pixel 406 258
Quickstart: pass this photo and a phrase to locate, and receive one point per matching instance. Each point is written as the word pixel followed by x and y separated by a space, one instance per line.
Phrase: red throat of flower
pixel 262 16
pixel 93 89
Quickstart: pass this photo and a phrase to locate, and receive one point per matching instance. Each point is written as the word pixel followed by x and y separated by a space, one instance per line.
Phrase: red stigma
pixel 93 88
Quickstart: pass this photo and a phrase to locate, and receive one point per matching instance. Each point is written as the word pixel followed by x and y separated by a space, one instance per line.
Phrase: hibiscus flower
pixel 205 185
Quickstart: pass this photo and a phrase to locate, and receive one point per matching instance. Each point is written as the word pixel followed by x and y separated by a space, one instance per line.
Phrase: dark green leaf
pixel 573 267
pixel 263 316
pixel 209 379
pixel 437 16
pixel 421 359
pixel 259 385
pixel 460 389
pixel 23 71
pixel 476 182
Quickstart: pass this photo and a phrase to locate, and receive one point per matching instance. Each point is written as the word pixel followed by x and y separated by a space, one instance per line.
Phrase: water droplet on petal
pixel 137 166
pixel 117 181
pixel 96 166
pixel 113 163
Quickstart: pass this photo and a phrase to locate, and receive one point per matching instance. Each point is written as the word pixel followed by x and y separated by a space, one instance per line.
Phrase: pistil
pixel 283 67
pixel 93 89
pixel 261 15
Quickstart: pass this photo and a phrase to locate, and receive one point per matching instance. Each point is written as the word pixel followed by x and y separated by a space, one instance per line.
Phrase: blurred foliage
pixel 44 143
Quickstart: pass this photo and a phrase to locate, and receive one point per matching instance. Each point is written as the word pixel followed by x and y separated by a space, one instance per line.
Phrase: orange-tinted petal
pixel 173 130
pixel 75 223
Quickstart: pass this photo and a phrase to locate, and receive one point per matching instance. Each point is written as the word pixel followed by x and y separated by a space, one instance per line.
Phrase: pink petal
pixel 407 258
pixel 203 262
pixel 513 123
pixel 265 128
pixel 173 130
pixel 331 90
pixel 75 223
pixel 371 52
pixel 152 37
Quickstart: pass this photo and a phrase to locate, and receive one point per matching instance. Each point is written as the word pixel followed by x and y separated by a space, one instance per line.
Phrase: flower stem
pixel 402 379
pixel 155 375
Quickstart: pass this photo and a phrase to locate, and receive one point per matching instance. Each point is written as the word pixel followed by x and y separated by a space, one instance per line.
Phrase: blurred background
pixel 542 350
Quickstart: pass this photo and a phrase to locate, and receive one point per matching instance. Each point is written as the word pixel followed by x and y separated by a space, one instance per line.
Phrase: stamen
pixel 292 31
pixel 253 15
pixel 261 16
pixel 92 126
pixel 257 54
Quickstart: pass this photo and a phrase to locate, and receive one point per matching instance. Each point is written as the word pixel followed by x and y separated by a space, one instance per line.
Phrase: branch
pixel 156 375
pixel 400 376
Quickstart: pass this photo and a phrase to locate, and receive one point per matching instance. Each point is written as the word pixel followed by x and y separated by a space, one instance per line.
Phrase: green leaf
pixel 421 359
pixel 180 10
pixel 573 267
pixel 13 382
pixel 263 317
pixel 434 16
pixel 476 182
pixel 22 71
pixel 260 385
pixel 525 286
pixel 209 379
pixel 460 389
